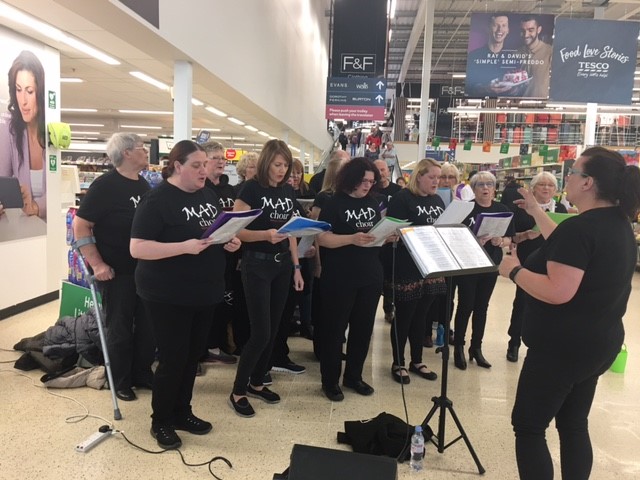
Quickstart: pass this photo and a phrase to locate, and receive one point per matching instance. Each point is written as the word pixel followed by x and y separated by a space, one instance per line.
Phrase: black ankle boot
pixel 512 353
pixel 458 357
pixel 476 353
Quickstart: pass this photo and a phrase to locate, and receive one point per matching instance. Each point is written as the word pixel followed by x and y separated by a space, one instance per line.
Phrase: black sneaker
pixel 192 424
pixel 289 367
pixel 242 407
pixel 267 380
pixel 265 394
pixel 166 436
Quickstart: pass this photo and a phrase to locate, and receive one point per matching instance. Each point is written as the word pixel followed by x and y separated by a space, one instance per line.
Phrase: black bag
pixel 385 435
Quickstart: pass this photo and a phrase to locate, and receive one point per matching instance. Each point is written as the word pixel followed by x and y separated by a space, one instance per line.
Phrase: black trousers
pixel 517 314
pixel 129 335
pixel 474 293
pixel 344 306
pixel 266 286
pixel 410 322
pixel 181 332
pixel 555 385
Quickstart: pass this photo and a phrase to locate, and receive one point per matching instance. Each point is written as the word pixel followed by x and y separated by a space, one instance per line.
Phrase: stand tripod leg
pixel 481 469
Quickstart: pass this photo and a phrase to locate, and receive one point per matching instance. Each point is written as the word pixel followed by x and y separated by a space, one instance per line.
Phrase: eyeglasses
pixel 545 185
pixel 143 148
pixel 219 158
pixel 573 171
pixel 485 184
pixel 367 181
pixel 448 177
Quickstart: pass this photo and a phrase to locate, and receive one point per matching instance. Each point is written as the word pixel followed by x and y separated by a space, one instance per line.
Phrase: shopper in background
pixel 23 137
pixel 246 169
pixel 578 285
pixel 474 291
pixel 390 156
pixel 267 262
pixel 351 293
pixel 180 277
pixel 375 138
pixel 420 204
pixel 219 182
pixel 371 153
pixel 543 186
pixel 106 215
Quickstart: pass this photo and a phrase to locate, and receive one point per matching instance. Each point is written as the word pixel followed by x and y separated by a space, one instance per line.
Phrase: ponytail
pixel 629 193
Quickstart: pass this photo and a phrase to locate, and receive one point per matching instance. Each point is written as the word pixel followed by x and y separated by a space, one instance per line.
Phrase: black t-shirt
pixel 168 214
pixel 225 192
pixel 317 180
pixel 601 243
pixel 390 190
pixel 351 264
pixel 522 222
pixel 494 252
pixel 321 199
pixel 418 210
pixel 110 204
pixel 278 205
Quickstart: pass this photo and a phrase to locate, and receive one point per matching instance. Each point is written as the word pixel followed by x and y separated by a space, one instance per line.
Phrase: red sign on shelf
pixel 230 153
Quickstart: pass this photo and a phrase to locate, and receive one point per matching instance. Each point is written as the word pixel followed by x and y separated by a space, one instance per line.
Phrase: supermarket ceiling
pixel 102 24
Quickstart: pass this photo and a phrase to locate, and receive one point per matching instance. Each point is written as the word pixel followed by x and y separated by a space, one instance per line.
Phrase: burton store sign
pixel 593 61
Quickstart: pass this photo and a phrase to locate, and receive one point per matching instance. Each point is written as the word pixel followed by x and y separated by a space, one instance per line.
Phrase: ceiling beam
pixel 416 33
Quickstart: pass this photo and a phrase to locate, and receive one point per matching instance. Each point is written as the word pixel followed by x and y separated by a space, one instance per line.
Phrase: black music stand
pixel 461 254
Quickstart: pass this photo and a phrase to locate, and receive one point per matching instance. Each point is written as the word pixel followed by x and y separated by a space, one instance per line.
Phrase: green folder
pixel 558 218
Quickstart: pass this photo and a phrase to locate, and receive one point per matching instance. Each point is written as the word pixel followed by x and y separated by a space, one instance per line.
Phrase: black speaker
pixel 315 463
pixel 154 154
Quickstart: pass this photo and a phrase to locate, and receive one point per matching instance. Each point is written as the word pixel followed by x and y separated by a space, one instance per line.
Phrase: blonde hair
pixel 448 168
pixel 421 169
pixel 336 160
pixel 247 158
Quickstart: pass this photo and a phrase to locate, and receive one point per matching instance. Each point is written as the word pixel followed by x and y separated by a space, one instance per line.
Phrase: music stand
pixel 446 251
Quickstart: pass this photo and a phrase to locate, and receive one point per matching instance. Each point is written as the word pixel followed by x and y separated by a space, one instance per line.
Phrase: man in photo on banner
pixel 484 64
pixel 538 62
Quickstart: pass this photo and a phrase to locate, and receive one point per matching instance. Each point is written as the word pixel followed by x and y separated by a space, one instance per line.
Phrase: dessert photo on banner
pixel 509 55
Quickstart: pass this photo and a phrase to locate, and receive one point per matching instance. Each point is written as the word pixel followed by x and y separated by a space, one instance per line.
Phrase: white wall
pixel 273 52
pixel 34 266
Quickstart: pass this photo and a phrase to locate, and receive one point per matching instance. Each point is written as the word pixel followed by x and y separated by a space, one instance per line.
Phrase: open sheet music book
pixel 492 224
pixel 228 224
pixel 441 251
pixel 384 228
pixel 301 226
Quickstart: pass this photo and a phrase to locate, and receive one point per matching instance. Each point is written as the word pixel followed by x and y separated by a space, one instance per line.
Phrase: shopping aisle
pixel 38 443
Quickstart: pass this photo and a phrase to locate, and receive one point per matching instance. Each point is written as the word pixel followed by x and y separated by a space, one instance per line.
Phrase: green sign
pixel 506 162
pixel 75 300
pixel 504 147
pixel 542 149
pixel 52 99
pixel 435 142
pixel 468 144
pixel 551 156
pixel 53 163
pixel 525 160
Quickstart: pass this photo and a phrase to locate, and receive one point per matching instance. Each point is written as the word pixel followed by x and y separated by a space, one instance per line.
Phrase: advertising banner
pixel 594 61
pixel 509 55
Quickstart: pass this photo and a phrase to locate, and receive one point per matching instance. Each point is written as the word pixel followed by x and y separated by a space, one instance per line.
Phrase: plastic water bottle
pixel 417 449
pixel 434 333
pixel 69 224
pixel 440 336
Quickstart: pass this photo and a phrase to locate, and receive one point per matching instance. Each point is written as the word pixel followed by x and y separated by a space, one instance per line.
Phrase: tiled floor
pixel 38 441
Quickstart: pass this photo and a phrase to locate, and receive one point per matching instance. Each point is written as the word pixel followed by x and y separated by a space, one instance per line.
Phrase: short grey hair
pixel 544 176
pixel 212 146
pixel 482 177
pixel 118 143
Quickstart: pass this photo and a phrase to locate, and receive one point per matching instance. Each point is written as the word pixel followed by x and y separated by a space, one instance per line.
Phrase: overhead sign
pixel 509 55
pixel 354 98
pixel 594 61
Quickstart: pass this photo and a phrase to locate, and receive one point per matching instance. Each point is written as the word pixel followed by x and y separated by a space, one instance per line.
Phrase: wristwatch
pixel 514 272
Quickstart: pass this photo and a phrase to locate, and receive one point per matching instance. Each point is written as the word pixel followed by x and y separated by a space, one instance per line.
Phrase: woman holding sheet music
pixel 180 278
pixel 268 259
pixel 474 291
pixel 421 205
pixel 578 284
pixel 351 280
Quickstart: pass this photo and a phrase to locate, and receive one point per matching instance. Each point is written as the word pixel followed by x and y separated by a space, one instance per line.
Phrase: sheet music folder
pixel 446 250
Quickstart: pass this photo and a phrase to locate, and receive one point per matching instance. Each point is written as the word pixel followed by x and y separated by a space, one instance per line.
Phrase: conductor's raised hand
pixel 274 237
pixel 528 202
pixel 232 245
pixel 195 246
pixel 361 239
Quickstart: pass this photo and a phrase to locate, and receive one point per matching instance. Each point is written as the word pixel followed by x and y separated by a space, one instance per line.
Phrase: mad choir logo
pixel 227 203
pixel 592 61
pixel 135 201
pixel 431 213
pixel 205 214
pixel 362 218
pixel 280 208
